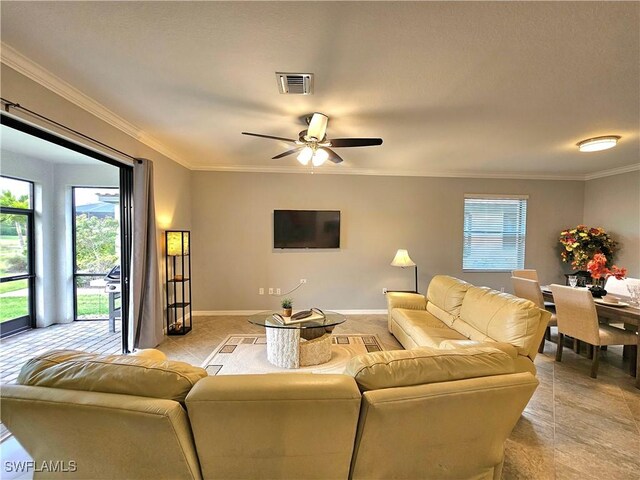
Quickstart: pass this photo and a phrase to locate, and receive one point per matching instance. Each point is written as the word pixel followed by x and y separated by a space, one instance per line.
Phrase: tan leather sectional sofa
pixel 456 314
pixel 441 413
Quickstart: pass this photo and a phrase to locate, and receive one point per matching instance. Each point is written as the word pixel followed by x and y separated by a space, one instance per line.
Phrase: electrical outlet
pixel 277 291
pixel 261 291
pixel 270 291
pixel 502 289
pixel 303 280
pixel 384 291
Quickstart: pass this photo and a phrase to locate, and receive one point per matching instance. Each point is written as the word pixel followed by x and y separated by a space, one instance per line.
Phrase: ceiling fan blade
pixel 288 152
pixel 333 156
pixel 269 136
pixel 355 142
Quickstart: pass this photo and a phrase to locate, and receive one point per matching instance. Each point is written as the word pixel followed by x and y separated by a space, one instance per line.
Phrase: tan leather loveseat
pixel 421 413
pixel 456 314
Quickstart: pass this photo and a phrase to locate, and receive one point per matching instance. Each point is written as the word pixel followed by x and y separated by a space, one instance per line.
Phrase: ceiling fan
pixel 313 145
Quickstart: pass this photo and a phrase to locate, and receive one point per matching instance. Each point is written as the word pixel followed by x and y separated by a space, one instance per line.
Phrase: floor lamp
pixel 402 259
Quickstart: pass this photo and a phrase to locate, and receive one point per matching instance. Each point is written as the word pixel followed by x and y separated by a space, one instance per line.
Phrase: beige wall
pixel 613 203
pixel 232 235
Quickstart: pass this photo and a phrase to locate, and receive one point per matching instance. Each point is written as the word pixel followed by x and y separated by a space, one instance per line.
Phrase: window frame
pixel 28 321
pixel 482 196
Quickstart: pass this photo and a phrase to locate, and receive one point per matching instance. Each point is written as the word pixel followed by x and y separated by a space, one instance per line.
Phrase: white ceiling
pixel 468 88
pixel 15 141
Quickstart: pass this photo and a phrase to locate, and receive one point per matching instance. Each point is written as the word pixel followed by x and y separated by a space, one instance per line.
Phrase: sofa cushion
pixel 128 375
pixel 401 368
pixel 149 353
pixel 406 317
pixel 423 328
pixel 500 316
pixel 446 294
pixel 432 337
pixel 455 344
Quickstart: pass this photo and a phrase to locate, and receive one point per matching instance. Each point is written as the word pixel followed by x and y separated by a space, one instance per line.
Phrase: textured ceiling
pixel 452 88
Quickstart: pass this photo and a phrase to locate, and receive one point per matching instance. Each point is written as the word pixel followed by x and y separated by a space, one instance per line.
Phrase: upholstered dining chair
pixel 531 274
pixel 577 317
pixel 528 273
pixel 619 287
pixel 530 290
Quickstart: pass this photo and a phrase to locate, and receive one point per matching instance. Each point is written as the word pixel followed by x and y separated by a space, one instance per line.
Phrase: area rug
pixel 247 354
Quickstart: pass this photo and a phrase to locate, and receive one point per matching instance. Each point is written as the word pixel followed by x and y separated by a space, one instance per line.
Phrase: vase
pixel 286 312
pixel 597 288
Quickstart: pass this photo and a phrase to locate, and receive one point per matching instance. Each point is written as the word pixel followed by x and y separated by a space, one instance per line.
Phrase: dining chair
pixel 530 290
pixel 531 274
pixel 528 273
pixel 577 317
pixel 619 287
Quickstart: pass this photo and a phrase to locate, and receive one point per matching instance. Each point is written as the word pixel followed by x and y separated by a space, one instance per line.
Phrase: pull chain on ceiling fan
pixel 313 145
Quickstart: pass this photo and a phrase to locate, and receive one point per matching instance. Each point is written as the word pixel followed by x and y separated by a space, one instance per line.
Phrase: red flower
pixel 597 268
pixel 618 272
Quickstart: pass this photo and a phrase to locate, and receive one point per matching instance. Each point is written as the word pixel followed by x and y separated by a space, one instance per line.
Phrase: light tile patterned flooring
pixel 574 427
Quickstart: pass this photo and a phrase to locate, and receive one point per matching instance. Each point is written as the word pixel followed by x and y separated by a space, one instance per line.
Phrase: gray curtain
pixel 145 314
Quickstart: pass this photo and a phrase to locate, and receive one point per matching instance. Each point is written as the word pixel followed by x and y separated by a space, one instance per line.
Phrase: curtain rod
pixel 9 104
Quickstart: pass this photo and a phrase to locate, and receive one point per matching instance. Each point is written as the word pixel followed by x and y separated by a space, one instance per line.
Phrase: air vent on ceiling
pixel 295 83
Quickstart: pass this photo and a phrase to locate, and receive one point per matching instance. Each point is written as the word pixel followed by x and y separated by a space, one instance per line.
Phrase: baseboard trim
pixel 233 313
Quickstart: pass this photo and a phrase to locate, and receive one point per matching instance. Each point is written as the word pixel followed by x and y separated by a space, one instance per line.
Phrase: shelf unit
pixel 178 282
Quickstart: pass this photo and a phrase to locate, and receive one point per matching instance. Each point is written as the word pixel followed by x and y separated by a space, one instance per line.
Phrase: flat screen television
pixel 306 229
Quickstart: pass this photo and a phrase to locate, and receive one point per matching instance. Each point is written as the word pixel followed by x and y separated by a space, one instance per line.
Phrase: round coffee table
pixel 298 344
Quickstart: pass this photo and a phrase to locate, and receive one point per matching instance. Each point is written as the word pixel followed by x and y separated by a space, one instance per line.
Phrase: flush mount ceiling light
pixel 598 143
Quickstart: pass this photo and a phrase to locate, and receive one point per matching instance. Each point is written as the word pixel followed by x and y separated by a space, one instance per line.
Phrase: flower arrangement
pixel 597 267
pixel 582 243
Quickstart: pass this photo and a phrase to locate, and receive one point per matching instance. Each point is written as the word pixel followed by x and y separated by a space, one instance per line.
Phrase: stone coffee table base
pixel 286 349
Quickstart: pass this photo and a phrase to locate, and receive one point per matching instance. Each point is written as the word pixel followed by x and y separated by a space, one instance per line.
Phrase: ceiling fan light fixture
pixel 317 126
pixel 320 157
pixel 597 144
pixel 305 155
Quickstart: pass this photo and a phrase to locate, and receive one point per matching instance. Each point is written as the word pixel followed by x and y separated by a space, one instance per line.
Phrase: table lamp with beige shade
pixel 403 260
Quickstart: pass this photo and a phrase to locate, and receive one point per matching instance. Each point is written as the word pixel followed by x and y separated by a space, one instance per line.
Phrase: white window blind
pixel 494 232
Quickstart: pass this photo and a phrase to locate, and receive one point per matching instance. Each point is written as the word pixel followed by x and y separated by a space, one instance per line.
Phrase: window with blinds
pixel 494 232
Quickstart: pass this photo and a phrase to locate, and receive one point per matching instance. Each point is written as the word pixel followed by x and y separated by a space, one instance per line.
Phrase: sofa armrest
pixel 412 301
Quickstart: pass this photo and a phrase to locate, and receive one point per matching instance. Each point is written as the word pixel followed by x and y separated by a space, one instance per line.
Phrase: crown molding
pixel 331 170
pixel 30 69
pixel 613 171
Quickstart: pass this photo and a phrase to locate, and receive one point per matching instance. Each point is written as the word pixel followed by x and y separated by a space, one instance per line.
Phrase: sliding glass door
pixel 17 268
pixel 17 272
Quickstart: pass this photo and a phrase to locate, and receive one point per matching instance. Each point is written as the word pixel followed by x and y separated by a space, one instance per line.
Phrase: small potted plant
pixel 286 307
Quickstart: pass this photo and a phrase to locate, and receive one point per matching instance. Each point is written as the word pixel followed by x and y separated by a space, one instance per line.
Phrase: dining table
pixel 625 312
